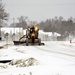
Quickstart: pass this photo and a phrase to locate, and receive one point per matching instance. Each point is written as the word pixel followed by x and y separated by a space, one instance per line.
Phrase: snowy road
pixel 55 58
pixel 59 49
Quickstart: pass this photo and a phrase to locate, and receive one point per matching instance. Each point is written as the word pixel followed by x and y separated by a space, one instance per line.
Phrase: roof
pixel 49 33
pixel 8 30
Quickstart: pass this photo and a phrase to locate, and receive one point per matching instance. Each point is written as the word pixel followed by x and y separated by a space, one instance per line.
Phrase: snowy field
pixel 55 58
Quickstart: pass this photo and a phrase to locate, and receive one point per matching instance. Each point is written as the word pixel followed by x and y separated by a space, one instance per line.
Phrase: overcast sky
pixel 39 10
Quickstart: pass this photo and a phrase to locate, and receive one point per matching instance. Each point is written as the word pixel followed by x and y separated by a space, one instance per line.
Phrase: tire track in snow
pixel 53 51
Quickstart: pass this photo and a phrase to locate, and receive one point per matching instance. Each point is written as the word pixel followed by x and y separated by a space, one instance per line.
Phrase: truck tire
pixel 39 41
pixel 27 42
pixel 0 38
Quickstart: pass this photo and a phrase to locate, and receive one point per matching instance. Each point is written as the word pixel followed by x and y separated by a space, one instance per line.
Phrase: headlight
pixel 28 28
pixel 33 34
pixel 36 28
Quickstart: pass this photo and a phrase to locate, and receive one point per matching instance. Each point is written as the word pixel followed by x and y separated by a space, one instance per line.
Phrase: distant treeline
pixel 57 24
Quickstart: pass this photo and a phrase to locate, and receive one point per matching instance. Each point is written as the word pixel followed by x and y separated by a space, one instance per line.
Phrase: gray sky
pixel 39 10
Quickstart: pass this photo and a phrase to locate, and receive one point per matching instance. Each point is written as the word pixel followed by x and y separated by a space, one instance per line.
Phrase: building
pixel 48 36
pixel 13 33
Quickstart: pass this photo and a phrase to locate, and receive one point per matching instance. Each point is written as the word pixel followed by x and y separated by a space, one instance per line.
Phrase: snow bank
pixel 24 63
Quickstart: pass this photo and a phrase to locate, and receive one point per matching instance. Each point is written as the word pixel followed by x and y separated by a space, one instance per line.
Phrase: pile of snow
pixel 24 63
pixel 20 63
pixel 2 43
pixel 3 66
pixel 5 43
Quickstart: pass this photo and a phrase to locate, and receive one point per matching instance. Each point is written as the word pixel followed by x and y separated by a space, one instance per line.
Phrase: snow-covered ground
pixel 54 58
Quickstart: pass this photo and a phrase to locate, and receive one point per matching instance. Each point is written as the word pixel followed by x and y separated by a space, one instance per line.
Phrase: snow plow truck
pixel 31 36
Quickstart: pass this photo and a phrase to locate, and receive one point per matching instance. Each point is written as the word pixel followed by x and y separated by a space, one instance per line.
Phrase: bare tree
pixel 3 15
pixel 22 22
